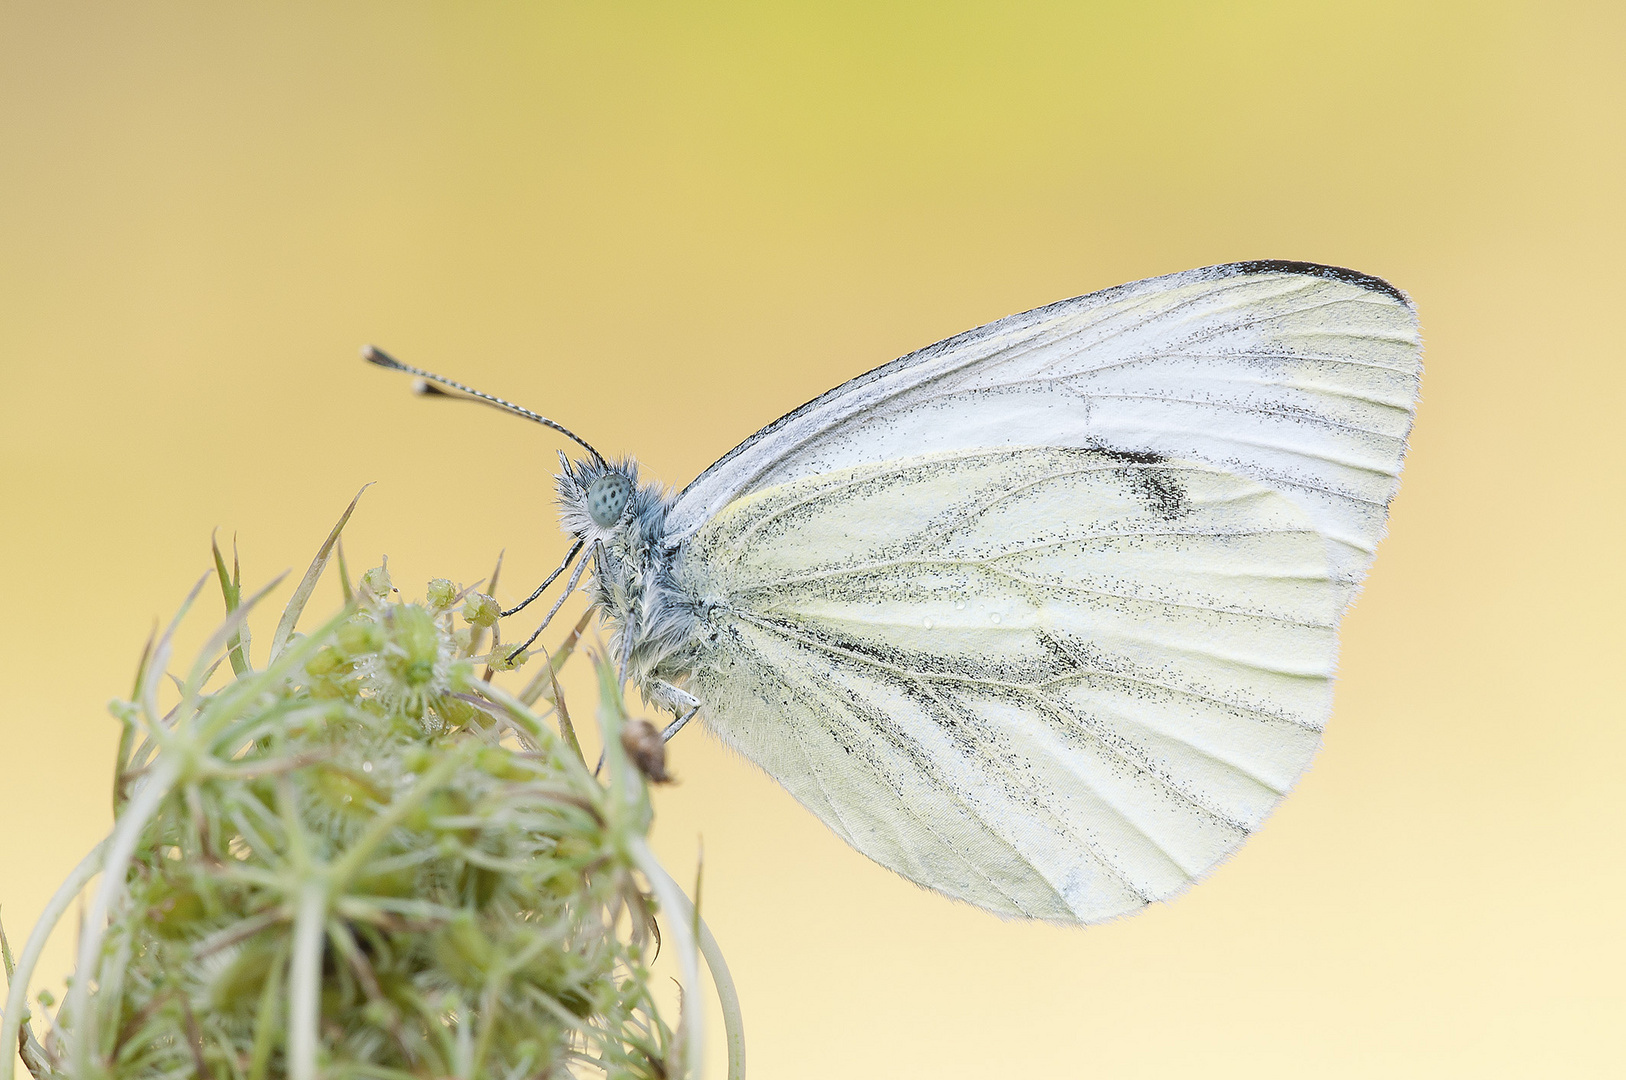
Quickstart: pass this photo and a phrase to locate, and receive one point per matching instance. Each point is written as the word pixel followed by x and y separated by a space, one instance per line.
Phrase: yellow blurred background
pixel 666 224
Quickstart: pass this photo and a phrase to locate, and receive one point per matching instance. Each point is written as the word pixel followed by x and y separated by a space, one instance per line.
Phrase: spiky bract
pixel 360 861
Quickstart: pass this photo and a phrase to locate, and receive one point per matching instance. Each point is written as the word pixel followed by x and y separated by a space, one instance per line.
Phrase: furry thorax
pixel 656 624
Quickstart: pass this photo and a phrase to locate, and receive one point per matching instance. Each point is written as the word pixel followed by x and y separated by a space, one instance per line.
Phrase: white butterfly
pixel 1044 616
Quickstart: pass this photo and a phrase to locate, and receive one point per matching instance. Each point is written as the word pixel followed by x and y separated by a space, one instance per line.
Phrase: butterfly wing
pixel 1302 377
pixel 1053 683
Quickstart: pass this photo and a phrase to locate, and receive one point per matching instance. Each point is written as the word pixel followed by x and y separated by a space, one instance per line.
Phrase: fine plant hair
pixel 365 858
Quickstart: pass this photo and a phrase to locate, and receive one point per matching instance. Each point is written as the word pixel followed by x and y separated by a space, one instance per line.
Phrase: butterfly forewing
pixel 1052 682
pixel 1301 377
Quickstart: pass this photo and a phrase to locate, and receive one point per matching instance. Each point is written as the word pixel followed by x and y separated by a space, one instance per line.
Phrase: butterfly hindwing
pixel 1052 682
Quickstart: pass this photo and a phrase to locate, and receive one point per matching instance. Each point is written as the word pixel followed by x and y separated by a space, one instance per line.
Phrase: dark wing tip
pixel 1291 266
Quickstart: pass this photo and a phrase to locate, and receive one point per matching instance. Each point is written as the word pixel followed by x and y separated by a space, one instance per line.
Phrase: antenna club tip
pixel 374 355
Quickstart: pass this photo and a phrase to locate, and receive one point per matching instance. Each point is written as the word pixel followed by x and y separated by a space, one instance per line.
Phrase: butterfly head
pixel 602 501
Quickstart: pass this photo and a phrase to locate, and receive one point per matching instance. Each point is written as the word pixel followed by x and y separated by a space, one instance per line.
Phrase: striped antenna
pixel 374 355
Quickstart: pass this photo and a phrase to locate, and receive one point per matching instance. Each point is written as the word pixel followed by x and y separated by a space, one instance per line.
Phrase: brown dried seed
pixel 644 745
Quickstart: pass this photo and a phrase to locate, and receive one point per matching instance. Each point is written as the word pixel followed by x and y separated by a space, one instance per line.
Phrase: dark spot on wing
pixel 1056 649
pixel 1134 457
pixel 1161 491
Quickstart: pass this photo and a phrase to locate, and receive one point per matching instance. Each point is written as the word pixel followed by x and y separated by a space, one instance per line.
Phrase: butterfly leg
pixel 677 725
pixel 683 704
pixel 570 587
pixel 662 694
pixel 549 581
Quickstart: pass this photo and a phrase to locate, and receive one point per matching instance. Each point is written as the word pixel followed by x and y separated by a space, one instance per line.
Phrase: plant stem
pixel 727 996
pixel 672 900
pixel 305 980
pixel 17 989
pixel 120 850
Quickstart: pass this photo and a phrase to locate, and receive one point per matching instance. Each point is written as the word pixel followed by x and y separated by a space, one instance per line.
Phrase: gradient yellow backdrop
pixel 665 224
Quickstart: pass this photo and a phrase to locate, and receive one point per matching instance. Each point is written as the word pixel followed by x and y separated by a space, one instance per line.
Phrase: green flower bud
pixel 506 658
pixel 360 636
pixel 416 636
pixel 455 712
pixel 481 610
pixel 440 595
pixel 327 661
pixel 377 581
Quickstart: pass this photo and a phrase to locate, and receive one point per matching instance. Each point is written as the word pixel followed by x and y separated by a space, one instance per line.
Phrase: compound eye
pixel 607 499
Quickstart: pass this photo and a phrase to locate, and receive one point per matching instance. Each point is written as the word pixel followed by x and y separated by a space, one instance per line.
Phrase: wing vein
pixel 927 825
